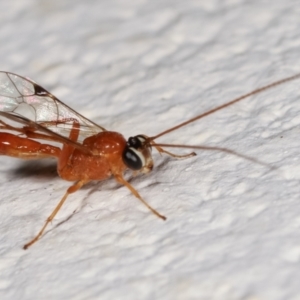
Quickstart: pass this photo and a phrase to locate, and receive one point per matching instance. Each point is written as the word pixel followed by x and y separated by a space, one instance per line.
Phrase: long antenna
pixel 259 90
pixel 213 148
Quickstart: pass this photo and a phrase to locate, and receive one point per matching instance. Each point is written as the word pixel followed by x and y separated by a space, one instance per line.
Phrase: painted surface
pixel 140 67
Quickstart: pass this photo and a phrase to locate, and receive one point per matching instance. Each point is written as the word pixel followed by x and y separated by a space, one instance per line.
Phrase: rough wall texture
pixel 140 67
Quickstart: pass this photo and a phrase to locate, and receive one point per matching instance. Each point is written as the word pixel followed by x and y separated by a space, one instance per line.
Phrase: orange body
pixel 104 159
pixel 73 164
pixel 78 165
pixel 16 146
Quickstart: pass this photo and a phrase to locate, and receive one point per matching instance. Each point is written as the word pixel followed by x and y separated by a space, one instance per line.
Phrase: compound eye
pixel 133 159
pixel 134 142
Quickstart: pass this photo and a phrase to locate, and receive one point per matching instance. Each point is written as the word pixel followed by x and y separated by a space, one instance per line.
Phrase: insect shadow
pixel 36 168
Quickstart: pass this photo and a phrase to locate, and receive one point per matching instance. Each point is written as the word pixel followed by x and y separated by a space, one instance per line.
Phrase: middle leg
pixel 72 189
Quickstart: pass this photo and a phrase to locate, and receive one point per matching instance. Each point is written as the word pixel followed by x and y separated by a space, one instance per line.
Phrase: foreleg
pixel 121 180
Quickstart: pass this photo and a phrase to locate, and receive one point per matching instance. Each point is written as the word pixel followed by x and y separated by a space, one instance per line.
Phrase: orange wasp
pixel 89 151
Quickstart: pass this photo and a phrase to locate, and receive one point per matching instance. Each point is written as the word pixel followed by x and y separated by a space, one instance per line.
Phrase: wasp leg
pixel 121 180
pixel 71 189
pixel 63 159
pixel 67 150
pixel 161 150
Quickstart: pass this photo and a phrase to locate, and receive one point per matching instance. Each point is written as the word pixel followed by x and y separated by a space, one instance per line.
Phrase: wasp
pixel 30 116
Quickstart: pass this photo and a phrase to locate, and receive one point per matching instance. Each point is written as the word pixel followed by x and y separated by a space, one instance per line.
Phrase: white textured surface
pixel 233 228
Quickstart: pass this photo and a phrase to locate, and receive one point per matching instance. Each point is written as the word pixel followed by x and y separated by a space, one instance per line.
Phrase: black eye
pixel 134 142
pixel 132 159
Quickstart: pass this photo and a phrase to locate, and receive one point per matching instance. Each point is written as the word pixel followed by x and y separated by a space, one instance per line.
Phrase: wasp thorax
pixel 137 154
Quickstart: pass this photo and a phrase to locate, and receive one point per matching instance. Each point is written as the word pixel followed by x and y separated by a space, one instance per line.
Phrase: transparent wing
pixel 22 97
pixel 36 131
